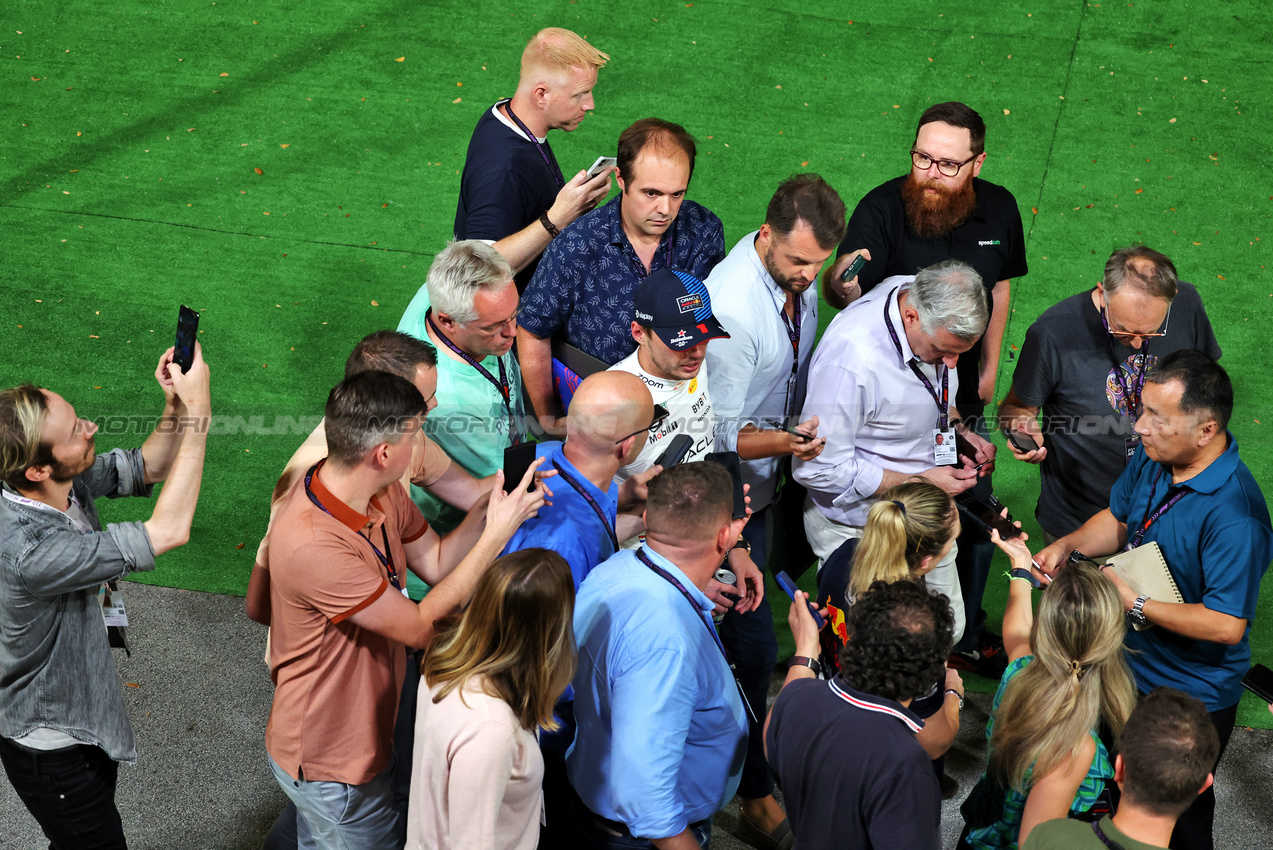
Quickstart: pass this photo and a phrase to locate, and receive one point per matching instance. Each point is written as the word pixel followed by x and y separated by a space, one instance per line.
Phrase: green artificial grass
pixel 133 136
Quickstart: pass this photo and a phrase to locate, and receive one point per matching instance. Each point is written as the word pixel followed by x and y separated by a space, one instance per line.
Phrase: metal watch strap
pixel 805 661
pixel 1137 614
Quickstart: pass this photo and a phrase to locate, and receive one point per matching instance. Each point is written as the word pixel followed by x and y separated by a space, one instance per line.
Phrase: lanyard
pixel 942 400
pixel 548 160
pixel 501 385
pixel 1174 494
pixel 386 557
pixel 32 503
pixel 671 579
pixel 793 334
pixel 592 503
pixel 1138 380
pixel 1105 839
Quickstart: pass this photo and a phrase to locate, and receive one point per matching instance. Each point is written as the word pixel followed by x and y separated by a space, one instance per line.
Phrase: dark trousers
pixel 753 650
pixel 70 792
pixel 972 561
pixel 1193 829
pixel 282 836
pixel 594 832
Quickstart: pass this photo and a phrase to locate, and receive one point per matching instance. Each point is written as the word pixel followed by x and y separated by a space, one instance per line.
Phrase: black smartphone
pixel 1021 442
pixel 854 267
pixel 989 514
pixel 187 330
pixel 804 438
pixel 517 459
pixel 785 582
pixel 675 451
pixel 730 461
pixel 1259 681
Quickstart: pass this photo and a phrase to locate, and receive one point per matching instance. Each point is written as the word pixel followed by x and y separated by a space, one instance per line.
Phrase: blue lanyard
pixel 592 503
pixel 671 579
pixel 942 400
pixel 501 385
pixel 1174 494
pixel 386 557
pixel 548 160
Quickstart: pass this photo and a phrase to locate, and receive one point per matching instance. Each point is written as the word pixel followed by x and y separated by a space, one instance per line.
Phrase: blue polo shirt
pixel 570 526
pixel 587 276
pixel 662 730
pixel 1217 543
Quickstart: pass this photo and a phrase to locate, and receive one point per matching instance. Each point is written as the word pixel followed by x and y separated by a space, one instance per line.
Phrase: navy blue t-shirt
pixel 506 185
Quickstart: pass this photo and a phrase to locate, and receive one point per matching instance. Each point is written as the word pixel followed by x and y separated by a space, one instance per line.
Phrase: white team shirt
pixel 689 407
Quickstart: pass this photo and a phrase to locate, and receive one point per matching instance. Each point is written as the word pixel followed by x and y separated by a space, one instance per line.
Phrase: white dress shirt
pixel 751 371
pixel 874 411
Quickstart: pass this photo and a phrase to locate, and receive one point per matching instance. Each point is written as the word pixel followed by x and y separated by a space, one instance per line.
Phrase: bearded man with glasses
pixel 1083 366
pixel 942 210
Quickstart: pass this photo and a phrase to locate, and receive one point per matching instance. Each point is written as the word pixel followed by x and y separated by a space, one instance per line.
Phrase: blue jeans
pixel 69 792
pixel 337 816
pixel 753 649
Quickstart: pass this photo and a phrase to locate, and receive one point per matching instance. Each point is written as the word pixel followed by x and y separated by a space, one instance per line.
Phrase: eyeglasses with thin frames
pixel 1123 336
pixel 948 167
pixel 660 416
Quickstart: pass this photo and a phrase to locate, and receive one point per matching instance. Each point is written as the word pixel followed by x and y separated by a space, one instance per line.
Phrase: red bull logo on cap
pixel 689 303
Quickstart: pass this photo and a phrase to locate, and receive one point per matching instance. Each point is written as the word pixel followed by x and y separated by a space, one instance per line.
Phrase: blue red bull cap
pixel 677 306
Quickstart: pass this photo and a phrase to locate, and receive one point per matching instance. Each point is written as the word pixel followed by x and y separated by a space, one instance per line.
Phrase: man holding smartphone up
pixel 512 192
pixel 63 725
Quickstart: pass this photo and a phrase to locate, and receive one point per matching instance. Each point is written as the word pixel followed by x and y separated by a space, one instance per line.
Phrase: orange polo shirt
pixel 336 685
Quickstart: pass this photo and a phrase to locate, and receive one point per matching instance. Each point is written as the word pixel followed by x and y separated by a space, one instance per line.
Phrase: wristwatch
pixel 958 696
pixel 1137 614
pixel 742 544
pixel 804 661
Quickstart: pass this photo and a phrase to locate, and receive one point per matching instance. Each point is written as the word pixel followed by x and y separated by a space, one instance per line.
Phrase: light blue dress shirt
pixel 662 730
pixel 751 371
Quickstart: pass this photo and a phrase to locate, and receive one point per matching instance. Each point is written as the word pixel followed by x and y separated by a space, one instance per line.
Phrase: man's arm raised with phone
pixel 574 199
pixel 189 397
pixel 397 618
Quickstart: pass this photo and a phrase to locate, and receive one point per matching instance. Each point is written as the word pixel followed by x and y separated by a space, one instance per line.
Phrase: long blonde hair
pixel 1077 678
pixel 516 633
pixel 913 520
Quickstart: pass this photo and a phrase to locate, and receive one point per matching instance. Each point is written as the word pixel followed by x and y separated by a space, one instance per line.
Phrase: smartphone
pixel 675 451
pixel 1259 681
pixel 1021 442
pixel 785 582
pixel 989 514
pixel 517 459
pixel 853 269
pixel 602 163
pixel 187 329
pixel 804 438
pixel 730 461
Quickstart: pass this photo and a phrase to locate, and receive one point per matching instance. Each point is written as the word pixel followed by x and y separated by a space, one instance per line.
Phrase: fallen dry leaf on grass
pixel 258 171
pixel 375 303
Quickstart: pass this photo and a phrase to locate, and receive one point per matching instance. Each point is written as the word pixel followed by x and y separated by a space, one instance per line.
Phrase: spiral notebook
pixel 1145 569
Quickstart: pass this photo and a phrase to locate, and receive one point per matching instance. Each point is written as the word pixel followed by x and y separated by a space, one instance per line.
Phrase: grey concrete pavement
pixel 202 698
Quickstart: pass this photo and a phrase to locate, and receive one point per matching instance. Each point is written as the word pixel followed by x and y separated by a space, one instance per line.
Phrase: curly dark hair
pixel 899 638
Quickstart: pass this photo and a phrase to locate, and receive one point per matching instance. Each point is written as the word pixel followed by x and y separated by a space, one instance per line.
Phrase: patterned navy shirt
pixel 586 278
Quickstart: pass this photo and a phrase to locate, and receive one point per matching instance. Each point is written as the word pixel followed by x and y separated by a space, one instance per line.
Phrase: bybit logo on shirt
pixel 985 242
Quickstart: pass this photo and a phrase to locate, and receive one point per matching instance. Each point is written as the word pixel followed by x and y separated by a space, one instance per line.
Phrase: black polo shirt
pixel 851 772
pixel 506 185
pixel 992 241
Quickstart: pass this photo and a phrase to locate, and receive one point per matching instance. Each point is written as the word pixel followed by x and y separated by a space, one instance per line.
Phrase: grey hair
pixel 1142 269
pixel 950 295
pixel 459 272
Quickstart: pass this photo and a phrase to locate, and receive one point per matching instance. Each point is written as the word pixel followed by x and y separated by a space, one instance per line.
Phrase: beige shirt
pixel 336 684
pixel 476 775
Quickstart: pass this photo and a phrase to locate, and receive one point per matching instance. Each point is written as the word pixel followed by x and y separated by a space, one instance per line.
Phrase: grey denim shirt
pixel 56 668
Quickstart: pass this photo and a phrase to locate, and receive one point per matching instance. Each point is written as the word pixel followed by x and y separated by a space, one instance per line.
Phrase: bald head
pixel 606 407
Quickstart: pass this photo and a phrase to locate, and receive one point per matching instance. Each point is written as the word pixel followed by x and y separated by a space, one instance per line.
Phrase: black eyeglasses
pixel 660 416
pixel 948 167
